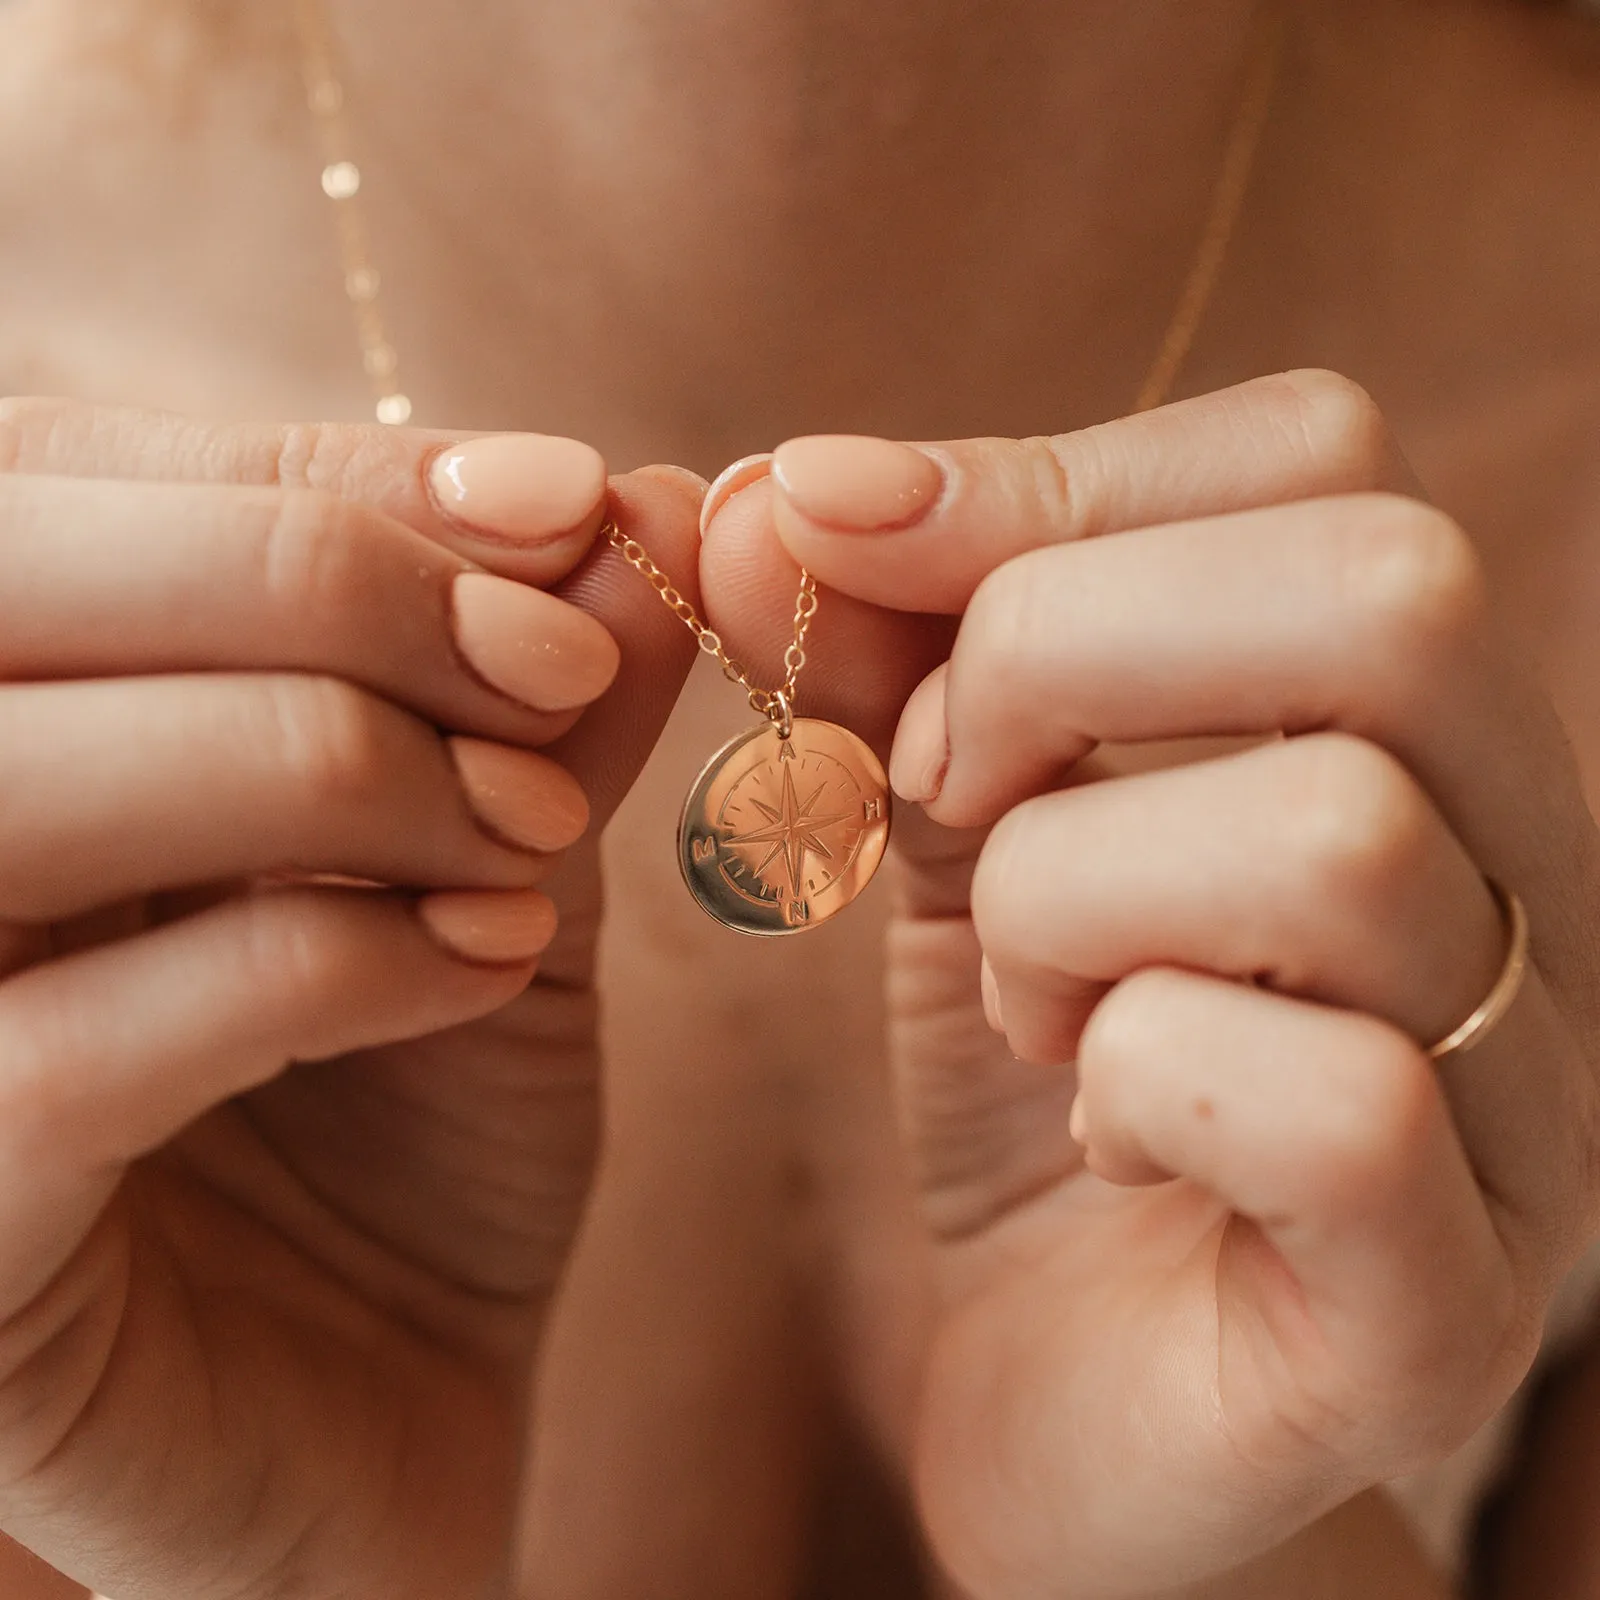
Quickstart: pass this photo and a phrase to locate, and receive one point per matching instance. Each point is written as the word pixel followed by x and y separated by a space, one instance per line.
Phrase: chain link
pixel 771 703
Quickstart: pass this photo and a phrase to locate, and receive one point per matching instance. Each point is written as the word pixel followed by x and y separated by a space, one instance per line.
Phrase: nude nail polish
pixel 497 928
pixel 530 645
pixel 526 488
pixel 730 481
pixel 851 484
pixel 520 796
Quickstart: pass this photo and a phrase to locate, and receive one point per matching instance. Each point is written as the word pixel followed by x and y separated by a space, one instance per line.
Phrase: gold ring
pixel 1498 1000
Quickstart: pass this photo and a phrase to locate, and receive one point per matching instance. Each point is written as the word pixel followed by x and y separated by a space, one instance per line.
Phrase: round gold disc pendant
pixel 778 835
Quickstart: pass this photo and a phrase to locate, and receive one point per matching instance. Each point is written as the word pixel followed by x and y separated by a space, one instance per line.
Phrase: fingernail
pixel 989 986
pixel 524 487
pixel 857 485
pixel 918 768
pixel 530 645
pixel 920 758
pixel 731 481
pixel 524 798
pixel 687 474
pixel 1078 1121
pixel 502 927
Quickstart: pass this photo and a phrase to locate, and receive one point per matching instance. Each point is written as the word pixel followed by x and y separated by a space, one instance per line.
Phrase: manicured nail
pixel 857 485
pixel 1078 1121
pixel 525 798
pixel 989 986
pixel 530 645
pixel 499 927
pixel 731 481
pixel 524 487
pixel 920 758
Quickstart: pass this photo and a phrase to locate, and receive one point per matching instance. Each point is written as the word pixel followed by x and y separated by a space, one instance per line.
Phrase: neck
pixel 757 207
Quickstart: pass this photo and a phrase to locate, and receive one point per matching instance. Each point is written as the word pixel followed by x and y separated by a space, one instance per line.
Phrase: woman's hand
pixel 1298 1257
pixel 264 1330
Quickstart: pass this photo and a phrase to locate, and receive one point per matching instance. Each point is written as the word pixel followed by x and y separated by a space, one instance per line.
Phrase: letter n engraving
pixel 796 913
pixel 872 810
pixel 704 849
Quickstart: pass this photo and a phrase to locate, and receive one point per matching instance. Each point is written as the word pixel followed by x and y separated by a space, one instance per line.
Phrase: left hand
pixel 1299 1257
pixel 289 1177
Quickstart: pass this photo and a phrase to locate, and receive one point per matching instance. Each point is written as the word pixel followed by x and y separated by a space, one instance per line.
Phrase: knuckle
pixel 1041 479
pixel 1002 897
pixel 315 554
pixel 1340 424
pixel 1376 1134
pixel 332 455
pixel 998 627
pixel 37 1051
pixel 1134 1022
pixel 302 448
pixel 1414 577
pixel 26 423
pixel 1357 823
pixel 332 740
pixel 1023 622
pixel 287 953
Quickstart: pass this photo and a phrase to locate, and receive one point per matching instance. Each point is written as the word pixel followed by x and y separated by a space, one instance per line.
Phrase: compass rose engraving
pixel 779 834
pixel 793 827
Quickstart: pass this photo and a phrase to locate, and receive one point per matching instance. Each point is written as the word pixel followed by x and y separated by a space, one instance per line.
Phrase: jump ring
pixel 780 713
pixel 1498 1000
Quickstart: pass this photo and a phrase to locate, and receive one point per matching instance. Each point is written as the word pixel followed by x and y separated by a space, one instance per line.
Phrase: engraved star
pixel 792 830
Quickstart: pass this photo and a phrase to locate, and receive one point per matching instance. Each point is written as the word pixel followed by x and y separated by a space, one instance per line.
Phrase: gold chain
pixel 341 183
pixel 774 703
pixel 1227 201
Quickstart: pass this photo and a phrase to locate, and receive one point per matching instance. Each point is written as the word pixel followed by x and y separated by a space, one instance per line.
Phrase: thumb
pixel 659 507
pixel 862 659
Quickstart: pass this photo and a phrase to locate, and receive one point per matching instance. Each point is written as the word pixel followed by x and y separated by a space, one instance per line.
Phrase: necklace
pixel 788 822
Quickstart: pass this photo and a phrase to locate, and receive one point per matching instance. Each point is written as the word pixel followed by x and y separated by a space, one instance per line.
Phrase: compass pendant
pixel 780 834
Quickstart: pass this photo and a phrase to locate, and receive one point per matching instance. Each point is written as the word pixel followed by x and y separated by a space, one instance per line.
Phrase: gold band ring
pixel 1498 1000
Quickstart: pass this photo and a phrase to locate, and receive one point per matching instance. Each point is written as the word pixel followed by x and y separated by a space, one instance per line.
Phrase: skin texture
pixel 226 1104
pixel 753 1214
pixel 1350 1271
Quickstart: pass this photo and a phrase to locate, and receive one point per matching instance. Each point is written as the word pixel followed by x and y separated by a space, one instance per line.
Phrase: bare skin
pixel 791 1247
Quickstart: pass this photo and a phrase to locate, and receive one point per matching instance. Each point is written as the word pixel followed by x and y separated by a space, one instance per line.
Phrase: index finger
pixel 525 505
pixel 918 527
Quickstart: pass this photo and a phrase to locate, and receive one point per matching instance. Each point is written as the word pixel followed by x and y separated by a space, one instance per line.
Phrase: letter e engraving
pixel 872 810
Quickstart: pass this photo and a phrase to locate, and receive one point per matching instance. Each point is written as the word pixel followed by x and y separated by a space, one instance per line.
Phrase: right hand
pixel 1278 1255
pixel 267 1327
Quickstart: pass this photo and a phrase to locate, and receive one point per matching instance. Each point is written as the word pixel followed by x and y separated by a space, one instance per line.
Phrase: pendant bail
pixel 780 713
